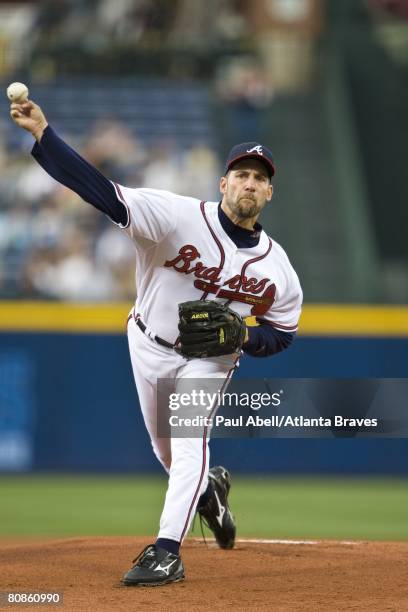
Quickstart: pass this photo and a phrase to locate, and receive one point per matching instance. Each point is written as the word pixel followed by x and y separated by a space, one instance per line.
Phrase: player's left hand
pixel 208 328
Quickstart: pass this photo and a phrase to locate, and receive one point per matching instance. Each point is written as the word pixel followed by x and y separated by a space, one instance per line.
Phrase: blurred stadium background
pixel 154 93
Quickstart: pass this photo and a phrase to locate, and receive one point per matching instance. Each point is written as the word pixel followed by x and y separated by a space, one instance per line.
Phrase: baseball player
pixel 202 268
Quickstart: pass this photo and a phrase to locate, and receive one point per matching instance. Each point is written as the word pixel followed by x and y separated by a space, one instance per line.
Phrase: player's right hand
pixel 29 116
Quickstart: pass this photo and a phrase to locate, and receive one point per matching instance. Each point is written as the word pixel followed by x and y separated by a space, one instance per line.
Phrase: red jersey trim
pixel 120 197
pixel 255 259
pixel 287 328
pixel 214 235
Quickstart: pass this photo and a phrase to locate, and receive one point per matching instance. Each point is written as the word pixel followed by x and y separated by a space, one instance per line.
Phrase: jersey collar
pixel 241 237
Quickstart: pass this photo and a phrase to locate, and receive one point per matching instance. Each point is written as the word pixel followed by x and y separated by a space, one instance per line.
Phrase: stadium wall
pixel 68 401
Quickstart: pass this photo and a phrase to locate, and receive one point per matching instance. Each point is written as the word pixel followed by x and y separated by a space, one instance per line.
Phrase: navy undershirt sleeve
pixel 67 167
pixel 265 340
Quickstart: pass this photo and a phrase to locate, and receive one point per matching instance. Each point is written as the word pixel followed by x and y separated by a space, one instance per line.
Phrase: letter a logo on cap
pixel 252 150
pixel 258 149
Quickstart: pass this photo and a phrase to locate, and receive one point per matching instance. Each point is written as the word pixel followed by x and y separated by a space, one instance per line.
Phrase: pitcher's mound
pixel 273 575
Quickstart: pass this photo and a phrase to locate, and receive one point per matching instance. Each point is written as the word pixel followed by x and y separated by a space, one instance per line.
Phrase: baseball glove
pixel 208 329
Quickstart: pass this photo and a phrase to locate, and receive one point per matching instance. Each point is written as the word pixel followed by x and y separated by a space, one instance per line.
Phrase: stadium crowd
pixel 55 246
pixel 52 245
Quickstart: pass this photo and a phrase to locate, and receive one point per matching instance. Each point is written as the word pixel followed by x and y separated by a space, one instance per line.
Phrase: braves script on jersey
pixel 183 253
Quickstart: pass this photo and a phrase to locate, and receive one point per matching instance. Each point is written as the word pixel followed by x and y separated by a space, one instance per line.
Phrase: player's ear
pixel 223 184
pixel 270 194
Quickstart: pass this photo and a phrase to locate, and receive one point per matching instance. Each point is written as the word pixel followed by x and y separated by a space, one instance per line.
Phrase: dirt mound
pixel 256 575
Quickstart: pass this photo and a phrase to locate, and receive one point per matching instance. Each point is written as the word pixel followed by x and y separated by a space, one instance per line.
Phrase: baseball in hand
pixel 17 92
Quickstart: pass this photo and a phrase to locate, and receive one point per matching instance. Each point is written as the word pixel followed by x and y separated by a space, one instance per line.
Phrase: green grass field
pixel 264 507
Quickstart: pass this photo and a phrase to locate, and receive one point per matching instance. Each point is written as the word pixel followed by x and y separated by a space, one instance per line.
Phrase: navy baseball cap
pixel 251 150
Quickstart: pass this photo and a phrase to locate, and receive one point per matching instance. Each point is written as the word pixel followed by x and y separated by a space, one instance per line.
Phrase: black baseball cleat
pixel 154 567
pixel 216 513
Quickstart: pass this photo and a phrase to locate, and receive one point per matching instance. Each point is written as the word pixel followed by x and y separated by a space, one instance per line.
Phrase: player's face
pixel 246 189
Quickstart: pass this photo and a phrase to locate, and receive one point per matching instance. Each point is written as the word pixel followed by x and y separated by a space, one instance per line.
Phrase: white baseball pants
pixel 186 460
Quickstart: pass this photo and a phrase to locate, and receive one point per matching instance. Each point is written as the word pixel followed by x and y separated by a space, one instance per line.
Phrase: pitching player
pixel 202 268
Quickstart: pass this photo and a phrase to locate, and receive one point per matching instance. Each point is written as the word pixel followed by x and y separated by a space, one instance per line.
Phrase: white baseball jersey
pixel 183 253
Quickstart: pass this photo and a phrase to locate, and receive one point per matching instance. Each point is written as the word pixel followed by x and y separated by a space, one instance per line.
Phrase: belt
pixel 157 339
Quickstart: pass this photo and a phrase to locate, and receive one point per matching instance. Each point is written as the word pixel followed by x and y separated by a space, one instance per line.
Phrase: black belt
pixel 157 339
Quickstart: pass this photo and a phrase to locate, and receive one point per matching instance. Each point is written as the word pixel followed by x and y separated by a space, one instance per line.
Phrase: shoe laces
pixel 203 521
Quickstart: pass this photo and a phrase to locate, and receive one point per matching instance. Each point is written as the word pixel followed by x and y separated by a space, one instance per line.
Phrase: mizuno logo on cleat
pixel 221 509
pixel 165 568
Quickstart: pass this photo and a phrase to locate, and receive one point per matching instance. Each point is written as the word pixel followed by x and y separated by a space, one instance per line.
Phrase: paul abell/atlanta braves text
pixel 278 421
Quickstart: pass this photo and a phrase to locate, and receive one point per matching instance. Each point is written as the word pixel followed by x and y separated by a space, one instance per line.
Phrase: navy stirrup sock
pixel 170 545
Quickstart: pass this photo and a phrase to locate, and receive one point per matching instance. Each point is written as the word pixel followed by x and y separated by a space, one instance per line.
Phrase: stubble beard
pixel 243 211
